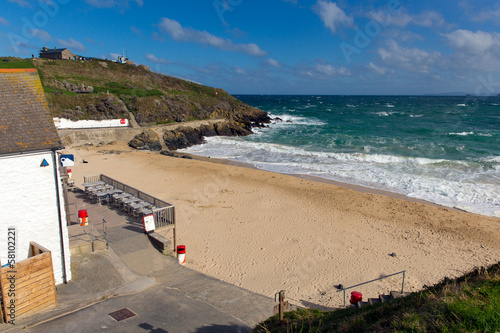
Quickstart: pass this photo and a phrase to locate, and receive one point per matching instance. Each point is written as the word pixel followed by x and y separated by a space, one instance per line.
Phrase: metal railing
pixel 164 213
pixel 105 232
pixel 381 278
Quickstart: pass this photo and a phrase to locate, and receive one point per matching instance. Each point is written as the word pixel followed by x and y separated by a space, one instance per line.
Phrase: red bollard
pixel 83 218
pixel 181 254
pixel 356 297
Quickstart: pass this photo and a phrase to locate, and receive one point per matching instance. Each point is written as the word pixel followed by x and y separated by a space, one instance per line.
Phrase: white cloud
pixel 475 43
pixel 113 56
pixel 239 70
pixel 41 34
pixel 320 70
pixel 136 31
pixel 179 33
pixel 474 50
pixel 72 44
pixel 4 21
pixel 402 19
pixel 111 3
pixel 155 59
pixel 412 60
pixel 332 16
pixel 101 3
pixel 378 69
pixel 273 63
pixel 21 3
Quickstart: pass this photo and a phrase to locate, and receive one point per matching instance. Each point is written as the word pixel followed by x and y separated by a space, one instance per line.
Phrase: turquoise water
pixel 441 149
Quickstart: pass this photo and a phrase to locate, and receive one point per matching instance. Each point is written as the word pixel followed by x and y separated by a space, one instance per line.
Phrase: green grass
pixel 470 303
pixel 50 90
pixel 16 64
pixel 122 90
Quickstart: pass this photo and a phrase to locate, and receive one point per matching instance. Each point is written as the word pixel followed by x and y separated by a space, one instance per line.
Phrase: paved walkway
pixel 132 274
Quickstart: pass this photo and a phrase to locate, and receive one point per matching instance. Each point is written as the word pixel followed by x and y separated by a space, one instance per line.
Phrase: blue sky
pixel 389 47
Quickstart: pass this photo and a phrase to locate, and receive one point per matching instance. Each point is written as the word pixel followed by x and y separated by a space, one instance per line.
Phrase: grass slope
pixel 470 303
pixel 153 98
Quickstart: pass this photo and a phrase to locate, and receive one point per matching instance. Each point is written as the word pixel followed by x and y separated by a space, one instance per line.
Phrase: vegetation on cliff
pixel 100 89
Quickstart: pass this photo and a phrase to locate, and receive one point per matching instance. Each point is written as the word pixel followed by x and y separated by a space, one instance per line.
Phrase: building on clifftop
pixel 57 54
pixel 31 197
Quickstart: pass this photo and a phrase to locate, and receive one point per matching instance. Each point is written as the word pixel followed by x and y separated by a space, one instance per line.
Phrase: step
pixel 372 301
pixel 361 304
pixel 99 245
pixel 397 294
pixel 384 298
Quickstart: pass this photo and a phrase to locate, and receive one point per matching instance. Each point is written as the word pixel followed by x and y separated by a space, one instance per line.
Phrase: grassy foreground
pixel 470 303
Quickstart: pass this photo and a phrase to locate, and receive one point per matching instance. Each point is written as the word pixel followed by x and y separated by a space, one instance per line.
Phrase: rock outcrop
pixel 184 137
pixel 147 140
pixel 79 88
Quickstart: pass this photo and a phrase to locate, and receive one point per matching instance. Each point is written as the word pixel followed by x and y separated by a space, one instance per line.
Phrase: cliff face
pixel 103 89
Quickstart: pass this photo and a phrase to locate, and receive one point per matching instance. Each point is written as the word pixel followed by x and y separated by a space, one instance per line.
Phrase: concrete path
pixel 132 274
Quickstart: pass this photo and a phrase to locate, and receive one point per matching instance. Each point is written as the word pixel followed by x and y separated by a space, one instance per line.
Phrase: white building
pixel 31 198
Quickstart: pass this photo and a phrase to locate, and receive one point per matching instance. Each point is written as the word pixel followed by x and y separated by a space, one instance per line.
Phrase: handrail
pixel 105 231
pixel 381 278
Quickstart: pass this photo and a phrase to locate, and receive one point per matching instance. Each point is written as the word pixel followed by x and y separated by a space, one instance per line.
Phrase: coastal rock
pixel 175 140
pixel 78 88
pixel 230 129
pixel 147 140
pixel 185 136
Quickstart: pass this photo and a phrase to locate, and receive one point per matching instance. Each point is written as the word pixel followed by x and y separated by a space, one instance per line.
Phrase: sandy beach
pixel 268 232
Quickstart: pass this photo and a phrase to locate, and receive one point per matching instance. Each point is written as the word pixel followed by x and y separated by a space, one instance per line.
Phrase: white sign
pixel 67 160
pixel 148 222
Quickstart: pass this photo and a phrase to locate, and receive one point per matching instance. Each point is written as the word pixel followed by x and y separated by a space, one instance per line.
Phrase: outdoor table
pixel 129 201
pixel 95 190
pixel 132 203
pixel 105 195
pixel 134 208
pixel 87 186
pixel 120 196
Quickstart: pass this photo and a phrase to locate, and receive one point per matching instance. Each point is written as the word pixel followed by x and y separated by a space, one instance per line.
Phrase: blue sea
pixel 441 149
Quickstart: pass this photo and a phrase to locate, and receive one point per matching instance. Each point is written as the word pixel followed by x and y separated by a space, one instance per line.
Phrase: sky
pixel 321 47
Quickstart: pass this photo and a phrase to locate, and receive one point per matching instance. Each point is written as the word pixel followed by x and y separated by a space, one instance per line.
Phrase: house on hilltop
pixel 31 199
pixel 56 54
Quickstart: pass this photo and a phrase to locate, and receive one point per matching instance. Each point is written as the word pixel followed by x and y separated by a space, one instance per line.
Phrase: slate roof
pixel 25 121
pixel 52 51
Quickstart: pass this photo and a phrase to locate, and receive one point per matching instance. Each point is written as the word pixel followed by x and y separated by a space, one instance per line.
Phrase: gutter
pixel 59 215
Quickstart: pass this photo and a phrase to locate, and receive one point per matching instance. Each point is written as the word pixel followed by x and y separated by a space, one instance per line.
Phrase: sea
pixel 445 150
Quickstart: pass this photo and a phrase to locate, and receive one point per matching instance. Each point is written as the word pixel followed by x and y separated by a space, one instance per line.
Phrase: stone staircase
pixel 381 299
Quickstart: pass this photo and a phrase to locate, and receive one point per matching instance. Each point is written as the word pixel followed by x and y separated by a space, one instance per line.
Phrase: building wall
pixel 28 202
pixel 62 123
pixel 55 56
pixel 67 55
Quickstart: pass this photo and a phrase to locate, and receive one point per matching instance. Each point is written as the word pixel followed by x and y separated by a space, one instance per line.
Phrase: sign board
pixel 148 222
pixel 67 160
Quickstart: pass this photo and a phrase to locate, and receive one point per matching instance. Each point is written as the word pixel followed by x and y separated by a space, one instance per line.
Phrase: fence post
pixel 92 230
pixel 403 285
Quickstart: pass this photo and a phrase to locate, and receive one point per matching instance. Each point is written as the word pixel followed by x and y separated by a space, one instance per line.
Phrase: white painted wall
pixel 62 123
pixel 28 202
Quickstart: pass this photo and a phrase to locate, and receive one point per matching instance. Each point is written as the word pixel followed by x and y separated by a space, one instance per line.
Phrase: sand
pixel 268 232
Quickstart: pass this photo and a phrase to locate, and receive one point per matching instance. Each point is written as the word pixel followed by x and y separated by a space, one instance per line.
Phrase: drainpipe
pixel 59 215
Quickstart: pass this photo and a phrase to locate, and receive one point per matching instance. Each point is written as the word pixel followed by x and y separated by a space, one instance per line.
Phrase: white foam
pixel 461 184
pixel 289 119
pixel 462 133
